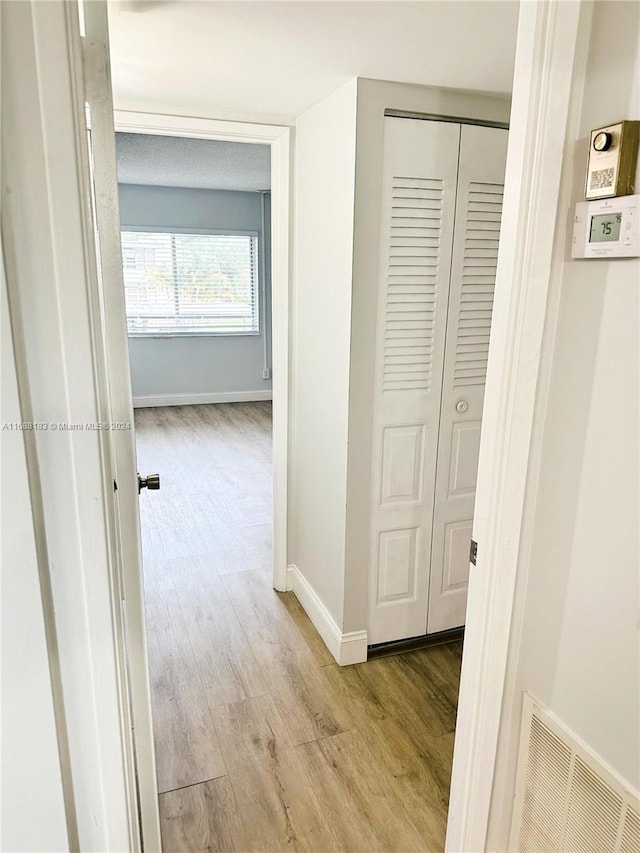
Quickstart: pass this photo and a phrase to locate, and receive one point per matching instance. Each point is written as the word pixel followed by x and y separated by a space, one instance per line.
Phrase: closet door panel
pixel 475 252
pixel 419 187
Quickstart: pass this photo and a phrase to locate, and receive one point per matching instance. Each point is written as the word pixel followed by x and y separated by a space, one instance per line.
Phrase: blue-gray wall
pixel 198 365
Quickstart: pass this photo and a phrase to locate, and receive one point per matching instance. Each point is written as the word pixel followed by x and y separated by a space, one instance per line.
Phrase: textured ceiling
pixel 171 161
pixel 271 61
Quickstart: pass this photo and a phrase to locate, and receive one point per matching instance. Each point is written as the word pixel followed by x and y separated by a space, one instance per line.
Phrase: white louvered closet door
pixel 419 189
pixel 477 229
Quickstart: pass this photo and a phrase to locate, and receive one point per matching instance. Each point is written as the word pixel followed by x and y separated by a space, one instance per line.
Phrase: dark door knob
pixel 152 481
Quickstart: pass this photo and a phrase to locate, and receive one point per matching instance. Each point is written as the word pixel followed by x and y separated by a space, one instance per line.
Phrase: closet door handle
pixel 462 406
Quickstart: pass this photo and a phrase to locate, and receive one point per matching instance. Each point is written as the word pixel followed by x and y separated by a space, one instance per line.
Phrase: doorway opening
pixel 251 225
pixel 250 253
pixel 195 220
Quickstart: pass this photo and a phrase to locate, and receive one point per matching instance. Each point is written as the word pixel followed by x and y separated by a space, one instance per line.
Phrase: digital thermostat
pixel 608 228
pixel 613 154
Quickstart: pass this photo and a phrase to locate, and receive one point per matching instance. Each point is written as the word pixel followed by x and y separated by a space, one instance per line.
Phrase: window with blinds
pixel 185 283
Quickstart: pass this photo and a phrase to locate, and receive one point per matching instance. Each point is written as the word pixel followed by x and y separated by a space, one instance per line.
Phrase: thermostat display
pixel 608 228
pixel 605 228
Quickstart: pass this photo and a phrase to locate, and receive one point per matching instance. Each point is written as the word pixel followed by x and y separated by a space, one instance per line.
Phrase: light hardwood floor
pixel 263 743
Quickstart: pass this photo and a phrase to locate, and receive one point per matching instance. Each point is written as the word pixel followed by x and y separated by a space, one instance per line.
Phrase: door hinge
pixel 473 552
pixel 96 77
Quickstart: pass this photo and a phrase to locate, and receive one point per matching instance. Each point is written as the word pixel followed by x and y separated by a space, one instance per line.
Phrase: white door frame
pixel 552 41
pixel 277 137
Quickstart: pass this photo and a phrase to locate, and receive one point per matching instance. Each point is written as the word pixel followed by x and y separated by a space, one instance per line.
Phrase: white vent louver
pixel 414 250
pixel 566 800
pixel 631 833
pixel 482 235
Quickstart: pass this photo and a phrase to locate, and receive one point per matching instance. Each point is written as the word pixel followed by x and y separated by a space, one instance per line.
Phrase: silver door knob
pixel 151 481
pixel 462 406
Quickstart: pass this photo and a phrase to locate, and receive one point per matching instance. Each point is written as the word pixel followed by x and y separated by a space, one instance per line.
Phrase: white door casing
pixel 419 180
pixel 483 153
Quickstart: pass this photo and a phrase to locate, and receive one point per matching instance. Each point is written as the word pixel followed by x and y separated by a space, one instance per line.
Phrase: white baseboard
pixel 198 399
pixel 346 648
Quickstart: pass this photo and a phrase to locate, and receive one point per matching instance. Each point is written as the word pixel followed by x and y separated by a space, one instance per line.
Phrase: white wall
pixel 323 233
pixel 575 646
pixel 374 96
pixel 31 803
pixel 200 365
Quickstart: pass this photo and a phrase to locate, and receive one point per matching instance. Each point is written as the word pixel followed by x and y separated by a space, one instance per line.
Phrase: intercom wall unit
pixel 613 158
pixel 607 228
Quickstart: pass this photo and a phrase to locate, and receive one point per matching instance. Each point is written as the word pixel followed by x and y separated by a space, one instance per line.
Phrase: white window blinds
pixel 190 284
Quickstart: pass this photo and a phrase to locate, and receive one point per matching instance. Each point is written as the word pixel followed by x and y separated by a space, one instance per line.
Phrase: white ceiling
pixel 274 60
pixel 171 161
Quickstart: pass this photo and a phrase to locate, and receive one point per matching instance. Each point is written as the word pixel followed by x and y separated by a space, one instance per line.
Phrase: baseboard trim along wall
pixel 198 399
pixel 346 648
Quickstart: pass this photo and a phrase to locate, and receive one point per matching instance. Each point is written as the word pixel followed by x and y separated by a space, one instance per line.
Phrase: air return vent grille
pixel 412 275
pixel 631 832
pixel 481 238
pixel 566 800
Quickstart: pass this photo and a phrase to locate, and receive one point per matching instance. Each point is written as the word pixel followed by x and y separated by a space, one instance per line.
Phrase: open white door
pixel 100 127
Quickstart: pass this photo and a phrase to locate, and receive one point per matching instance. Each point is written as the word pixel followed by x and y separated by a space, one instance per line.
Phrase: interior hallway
pixel 262 742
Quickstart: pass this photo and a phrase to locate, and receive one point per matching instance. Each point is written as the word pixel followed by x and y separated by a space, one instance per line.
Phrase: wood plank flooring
pixel 262 742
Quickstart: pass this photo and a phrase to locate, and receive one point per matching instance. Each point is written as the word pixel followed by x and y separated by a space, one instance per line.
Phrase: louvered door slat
pixel 479 228
pixel 476 307
pixel 412 272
